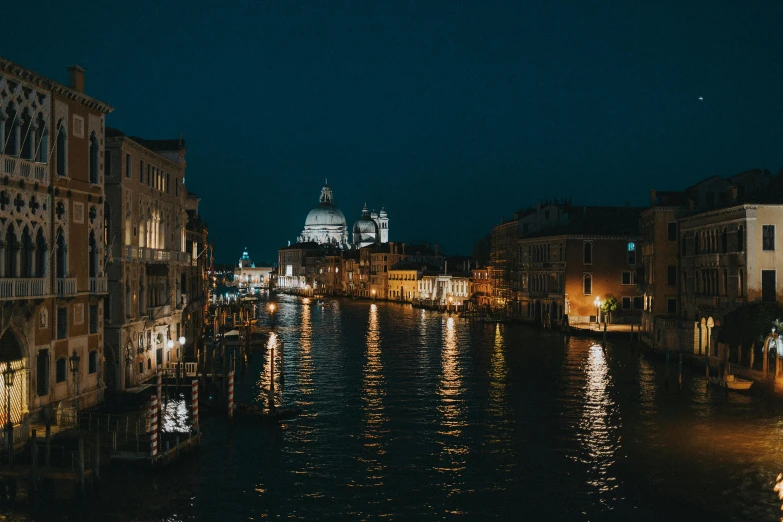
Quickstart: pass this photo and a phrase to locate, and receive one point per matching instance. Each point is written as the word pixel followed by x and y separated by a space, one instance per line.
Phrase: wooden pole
pixel 33 463
pixel 282 362
pixel 81 464
pixel 48 444
pixel 96 461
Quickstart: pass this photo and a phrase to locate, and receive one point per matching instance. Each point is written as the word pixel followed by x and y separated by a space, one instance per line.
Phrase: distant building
pixel 248 277
pixel 151 264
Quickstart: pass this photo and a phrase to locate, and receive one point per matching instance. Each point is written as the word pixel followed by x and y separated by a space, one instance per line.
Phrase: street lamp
pixel 8 379
pixel 74 360
pixel 597 303
pixel 373 294
pixel 272 314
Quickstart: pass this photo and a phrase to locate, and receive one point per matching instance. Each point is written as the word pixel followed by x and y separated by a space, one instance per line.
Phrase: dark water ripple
pixel 415 415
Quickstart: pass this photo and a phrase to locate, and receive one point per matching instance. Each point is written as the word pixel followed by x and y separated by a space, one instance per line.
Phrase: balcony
pixel 156 254
pixel 24 169
pixel 24 288
pixel 99 285
pixel 158 312
pixel 66 286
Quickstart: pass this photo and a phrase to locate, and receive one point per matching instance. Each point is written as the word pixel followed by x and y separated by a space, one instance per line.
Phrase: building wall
pixel 609 261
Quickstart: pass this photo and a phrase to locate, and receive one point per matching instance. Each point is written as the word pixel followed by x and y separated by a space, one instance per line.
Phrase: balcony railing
pixel 158 312
pixel 23 168
pixel 23 288
pixel 66 286
pixel 155 254
pixel 99 285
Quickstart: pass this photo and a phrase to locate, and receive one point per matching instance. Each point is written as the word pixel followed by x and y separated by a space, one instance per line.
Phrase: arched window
pixel 26 264
pixel 93 251
pixel 62 149
pixel 149 363
pixel 11 247
pixel 42 147
pixel 60 370
pixel 12 130
pixel 588 284
pixel 141 367
pixel 40 254
pixel 93 158
pixel 26 135
pixel 92 366
pixel 62 261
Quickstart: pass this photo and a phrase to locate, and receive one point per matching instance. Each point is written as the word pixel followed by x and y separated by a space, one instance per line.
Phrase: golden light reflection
pixel 373 391
pixel 451 409
pixel 498 371
pixel 779 489
pixel 305 372
pixel 597 430
pixel 175 414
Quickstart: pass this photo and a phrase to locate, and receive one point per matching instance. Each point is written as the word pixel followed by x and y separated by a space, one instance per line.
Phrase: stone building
pixel 52 253
pixel 249 278
pixel 148 274
pixel 404 280
pixel 698 263
pixel 481 287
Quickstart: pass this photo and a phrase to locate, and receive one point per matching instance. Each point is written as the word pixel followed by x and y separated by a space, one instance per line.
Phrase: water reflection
pixel 175 414
pixel 452 411
pixel 305 371
pixel 497 383
pixel 373 391
pixel 598 427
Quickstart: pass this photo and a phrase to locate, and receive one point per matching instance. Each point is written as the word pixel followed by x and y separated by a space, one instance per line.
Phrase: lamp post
pixel 8 379
pixel 597 303
pixel 272 314
pixel 74 360
pixel 373 294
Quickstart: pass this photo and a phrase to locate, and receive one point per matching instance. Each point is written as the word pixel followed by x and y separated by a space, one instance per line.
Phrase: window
pixel 626 303
pixel 671 305
pixel 62 149
pixel 768 286
pixel 62 323
pixel 631 253
pixel 107 163
pixel 92 366
pixel 93 158
pixel 60 370
pixel 638 303
pixel 93 318
pixel 768 237
pixel 671 275
pixel 128 166
pixel 626 278
pixel 588 284
pixel 168 181
pixel 587 257
pixel 141 171
pixel 42 373
pixel 672 230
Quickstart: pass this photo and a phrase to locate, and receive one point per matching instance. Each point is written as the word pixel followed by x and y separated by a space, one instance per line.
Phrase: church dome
pixel 365 230
pixel 325 214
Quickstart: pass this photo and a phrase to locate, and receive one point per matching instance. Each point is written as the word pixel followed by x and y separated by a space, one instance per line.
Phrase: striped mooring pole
pixel 160 385
pixel 231 394
pixel 154 426
pixel 194 402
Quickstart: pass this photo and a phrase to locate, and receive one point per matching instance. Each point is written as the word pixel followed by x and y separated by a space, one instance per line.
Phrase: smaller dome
pixel 383 213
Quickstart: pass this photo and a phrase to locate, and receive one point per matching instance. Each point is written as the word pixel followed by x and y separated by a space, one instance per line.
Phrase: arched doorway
pixel 12 354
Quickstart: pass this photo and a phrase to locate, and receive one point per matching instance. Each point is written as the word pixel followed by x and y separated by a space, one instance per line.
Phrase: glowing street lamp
pixel 597 303
pixel 373 294
pixel 271 314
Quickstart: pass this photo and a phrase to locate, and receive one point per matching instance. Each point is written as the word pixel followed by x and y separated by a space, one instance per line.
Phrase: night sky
pixel 449 114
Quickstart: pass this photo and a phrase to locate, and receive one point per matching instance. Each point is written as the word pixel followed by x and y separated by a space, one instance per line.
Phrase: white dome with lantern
pixel 325 224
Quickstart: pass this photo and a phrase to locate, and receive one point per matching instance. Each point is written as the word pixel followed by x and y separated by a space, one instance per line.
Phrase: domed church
pixel 325 224
pixel 371 229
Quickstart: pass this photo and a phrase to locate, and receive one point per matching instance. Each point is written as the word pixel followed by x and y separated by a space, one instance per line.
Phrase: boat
pixel 253 410
pixel 732 383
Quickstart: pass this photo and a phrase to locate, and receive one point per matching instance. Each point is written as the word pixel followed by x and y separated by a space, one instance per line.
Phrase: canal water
pixel 410 414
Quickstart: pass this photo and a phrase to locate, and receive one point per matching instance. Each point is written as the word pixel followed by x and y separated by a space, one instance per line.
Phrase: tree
pixel 608 306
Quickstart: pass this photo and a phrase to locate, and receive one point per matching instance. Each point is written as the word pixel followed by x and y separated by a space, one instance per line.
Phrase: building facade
pixel 150 268
pixel 53 248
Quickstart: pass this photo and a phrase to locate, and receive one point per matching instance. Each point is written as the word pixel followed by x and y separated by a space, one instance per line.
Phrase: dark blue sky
pixel 449 114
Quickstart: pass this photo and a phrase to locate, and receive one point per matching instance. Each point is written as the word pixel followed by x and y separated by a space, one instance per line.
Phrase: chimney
pixel 446 267
pixel 76 78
